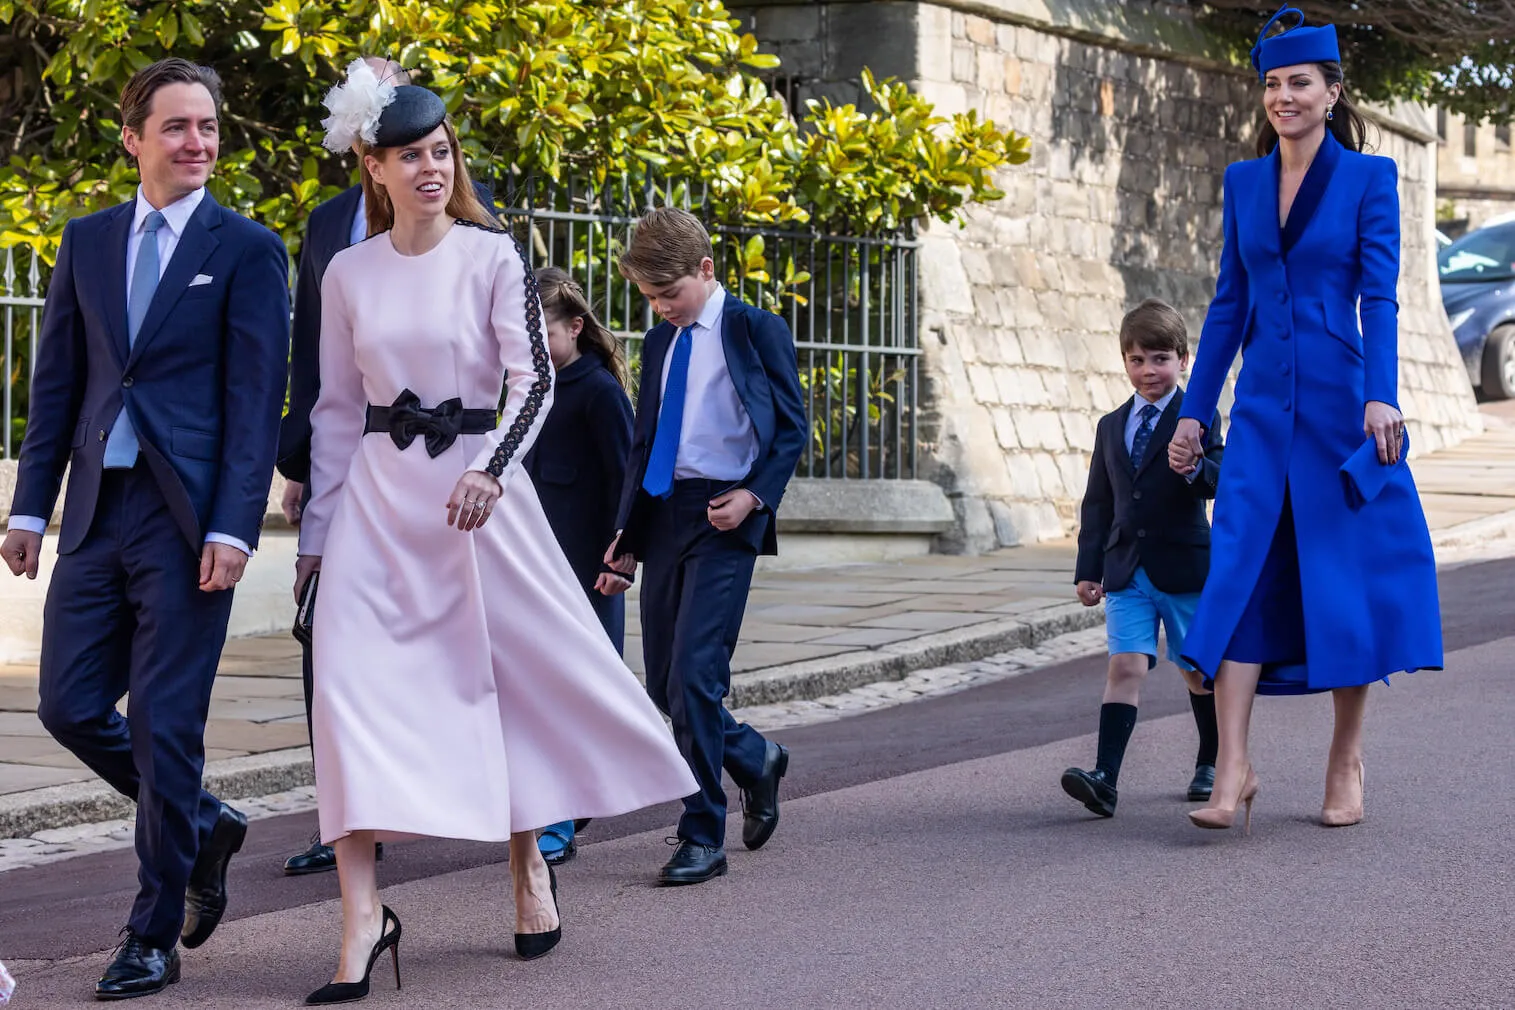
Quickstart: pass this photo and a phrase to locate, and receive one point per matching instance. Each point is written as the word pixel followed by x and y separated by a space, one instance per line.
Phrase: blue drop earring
pixel 1330 113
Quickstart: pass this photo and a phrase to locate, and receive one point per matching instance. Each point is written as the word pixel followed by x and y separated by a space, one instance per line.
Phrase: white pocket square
pixel 201 279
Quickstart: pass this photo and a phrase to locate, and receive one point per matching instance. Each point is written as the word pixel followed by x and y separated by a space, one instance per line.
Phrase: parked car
pixel 1478 292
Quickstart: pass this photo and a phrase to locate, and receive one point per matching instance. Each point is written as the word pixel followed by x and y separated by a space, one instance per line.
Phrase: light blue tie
pixel 658 480
pixel 121 448
pixel 1143 435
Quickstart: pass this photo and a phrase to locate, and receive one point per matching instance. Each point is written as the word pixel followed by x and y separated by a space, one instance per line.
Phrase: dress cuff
pixel 27 524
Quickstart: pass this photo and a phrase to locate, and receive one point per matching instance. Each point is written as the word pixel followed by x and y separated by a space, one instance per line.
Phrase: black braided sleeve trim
pixel 541 363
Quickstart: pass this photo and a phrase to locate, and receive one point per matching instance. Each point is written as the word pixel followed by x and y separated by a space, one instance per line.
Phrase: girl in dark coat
pixel 578 463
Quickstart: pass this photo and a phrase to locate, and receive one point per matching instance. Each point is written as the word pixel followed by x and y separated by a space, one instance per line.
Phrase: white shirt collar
pixel 1161 405
pixel 176 215
pixel 711 313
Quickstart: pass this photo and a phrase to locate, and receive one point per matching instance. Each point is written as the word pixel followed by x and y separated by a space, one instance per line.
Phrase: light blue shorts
pixel 1132 616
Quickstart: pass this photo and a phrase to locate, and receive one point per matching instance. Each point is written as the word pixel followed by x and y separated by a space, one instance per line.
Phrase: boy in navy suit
pixel 1144 547
pixel 720 426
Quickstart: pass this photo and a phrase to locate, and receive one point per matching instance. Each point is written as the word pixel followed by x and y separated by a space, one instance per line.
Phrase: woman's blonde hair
pixel 463 204
pixel 563 300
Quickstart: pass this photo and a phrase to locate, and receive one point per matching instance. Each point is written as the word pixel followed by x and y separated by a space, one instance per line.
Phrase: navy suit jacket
pixel 328 231
pixel 202 385
pixel 1148 517
pixel 761 358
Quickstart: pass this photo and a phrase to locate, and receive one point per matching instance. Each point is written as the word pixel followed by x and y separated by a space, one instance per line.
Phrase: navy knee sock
pixel 1116 721
pixel 1204 720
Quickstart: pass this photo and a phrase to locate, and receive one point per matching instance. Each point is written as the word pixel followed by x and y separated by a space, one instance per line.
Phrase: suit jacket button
pixel 1141 533
pixel 1136 494
pixel 127 382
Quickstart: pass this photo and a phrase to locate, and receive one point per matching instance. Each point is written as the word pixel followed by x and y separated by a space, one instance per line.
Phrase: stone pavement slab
pixel 807 634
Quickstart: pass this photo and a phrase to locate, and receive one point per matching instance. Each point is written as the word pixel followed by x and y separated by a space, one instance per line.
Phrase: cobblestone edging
pixel 58 843
pixel 39 810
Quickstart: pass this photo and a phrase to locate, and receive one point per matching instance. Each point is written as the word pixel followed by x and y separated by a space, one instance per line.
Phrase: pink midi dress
pixel 463 685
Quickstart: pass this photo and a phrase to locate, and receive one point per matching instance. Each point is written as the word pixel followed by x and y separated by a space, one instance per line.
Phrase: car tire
pixel 1499 364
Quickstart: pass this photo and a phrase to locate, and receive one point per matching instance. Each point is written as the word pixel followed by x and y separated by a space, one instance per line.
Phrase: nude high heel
pixel 1345 817
pixel 1221 818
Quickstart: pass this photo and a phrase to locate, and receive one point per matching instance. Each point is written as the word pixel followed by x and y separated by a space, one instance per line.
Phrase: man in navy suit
pixel 334 225
pixel 720 426
pixel 158 381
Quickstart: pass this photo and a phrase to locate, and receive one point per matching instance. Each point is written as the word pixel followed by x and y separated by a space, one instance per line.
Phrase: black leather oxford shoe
pixel 1093 789
pixel 693 863
pixel 760 800
pixel 319 858
pixel 205 897
pixel 1202 783
pixel 138 969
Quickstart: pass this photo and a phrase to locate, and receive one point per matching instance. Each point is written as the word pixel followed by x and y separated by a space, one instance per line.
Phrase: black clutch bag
pixel 305 615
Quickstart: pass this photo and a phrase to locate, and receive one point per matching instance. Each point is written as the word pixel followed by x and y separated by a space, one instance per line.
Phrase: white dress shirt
pixel 716 440
pixel 176 218
pixel 1134 422
pixel 359 230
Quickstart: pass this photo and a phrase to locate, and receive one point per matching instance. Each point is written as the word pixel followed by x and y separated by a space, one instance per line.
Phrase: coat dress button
pixel 126 383
pixel 1283 296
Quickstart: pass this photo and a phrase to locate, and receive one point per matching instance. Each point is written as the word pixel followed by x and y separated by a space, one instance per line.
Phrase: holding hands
pixel 472 500
pixel 1187 446
pixel 1386 425
pixel 610 584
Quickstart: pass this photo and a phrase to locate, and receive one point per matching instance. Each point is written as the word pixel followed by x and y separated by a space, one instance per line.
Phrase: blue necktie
pixel 658 480
pixel 121 448
pixel 1143 435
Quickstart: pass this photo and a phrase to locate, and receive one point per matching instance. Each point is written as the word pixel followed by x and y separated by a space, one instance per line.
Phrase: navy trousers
pixel 695 580
pixel 125 616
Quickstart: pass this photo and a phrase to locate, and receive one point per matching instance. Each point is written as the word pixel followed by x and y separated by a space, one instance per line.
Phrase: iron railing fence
pixel 21 298
pixel 850 302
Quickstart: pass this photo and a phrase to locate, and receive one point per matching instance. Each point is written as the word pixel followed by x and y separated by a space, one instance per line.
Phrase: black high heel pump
pixel 351 992
pixel 530 946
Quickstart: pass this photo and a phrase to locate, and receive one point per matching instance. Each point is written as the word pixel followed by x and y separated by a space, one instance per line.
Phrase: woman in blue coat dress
pixel 1322 575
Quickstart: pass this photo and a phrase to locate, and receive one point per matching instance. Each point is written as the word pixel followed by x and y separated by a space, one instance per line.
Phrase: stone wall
pixel 1133 120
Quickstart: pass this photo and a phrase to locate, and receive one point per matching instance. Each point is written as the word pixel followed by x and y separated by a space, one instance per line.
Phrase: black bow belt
pixel 441 425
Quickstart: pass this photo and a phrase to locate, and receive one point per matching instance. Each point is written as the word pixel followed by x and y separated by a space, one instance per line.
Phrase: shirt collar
pixel 711 313
pixel 176 215
pixel 1161 404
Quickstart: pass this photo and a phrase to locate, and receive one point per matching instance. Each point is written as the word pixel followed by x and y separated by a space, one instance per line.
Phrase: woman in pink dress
pixel 453 647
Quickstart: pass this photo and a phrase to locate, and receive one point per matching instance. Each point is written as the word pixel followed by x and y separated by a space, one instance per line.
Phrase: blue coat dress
pixel 1321 564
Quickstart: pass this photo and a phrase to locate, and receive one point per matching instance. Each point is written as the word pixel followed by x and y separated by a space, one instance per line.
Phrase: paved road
pixel 928 859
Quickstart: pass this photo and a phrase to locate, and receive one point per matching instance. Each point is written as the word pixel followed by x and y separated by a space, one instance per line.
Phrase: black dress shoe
pixel 319 858
pixel 1093 789
pixel 760 801
pixel 1202 783
pixel 205 897
pixel 693 864
pixel 139 969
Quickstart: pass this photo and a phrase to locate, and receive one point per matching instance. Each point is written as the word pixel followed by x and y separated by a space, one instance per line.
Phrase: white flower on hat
pixel 355 108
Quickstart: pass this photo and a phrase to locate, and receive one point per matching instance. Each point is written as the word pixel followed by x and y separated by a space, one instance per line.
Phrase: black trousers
pixel 695 580
pixel 125 616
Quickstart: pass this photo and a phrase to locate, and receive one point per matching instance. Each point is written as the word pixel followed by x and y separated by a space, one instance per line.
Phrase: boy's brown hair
pixel 666 244
pixel 1154 325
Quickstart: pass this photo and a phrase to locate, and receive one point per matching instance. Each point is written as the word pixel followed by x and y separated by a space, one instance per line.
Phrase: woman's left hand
pixel 1387 426
pixel 472 500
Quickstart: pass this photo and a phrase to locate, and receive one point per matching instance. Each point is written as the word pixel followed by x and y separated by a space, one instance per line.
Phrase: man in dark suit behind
pixel 1144 547
pixel 158 380
pixel 333 226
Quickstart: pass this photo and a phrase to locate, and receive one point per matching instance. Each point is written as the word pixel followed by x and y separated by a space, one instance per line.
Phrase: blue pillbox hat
pixel 1294 45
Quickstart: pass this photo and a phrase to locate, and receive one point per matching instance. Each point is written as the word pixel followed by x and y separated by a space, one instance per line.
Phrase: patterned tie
pixel 1143 435
pixel 658 480
pixel 121 448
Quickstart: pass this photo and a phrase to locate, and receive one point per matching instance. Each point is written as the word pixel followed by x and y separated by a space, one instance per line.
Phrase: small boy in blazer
pixel 720 425
pixel 1144 547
